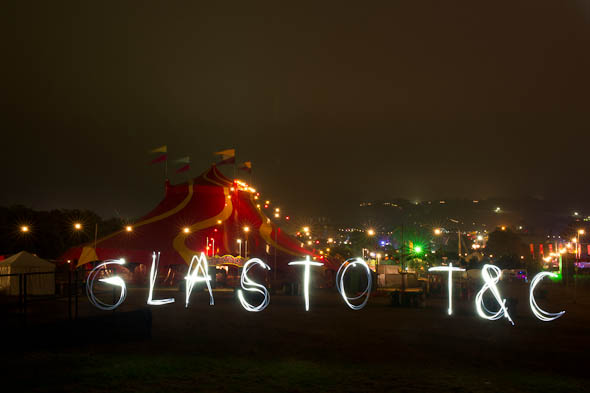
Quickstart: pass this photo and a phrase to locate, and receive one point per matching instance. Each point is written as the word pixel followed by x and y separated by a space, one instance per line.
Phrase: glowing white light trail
pixel 193 276
pixel 353 262
pixel 450 269
pixel 540 313
pixel 153 275
pixel 307 263
pixel 490 282
pixel 114 280
pixel 251 286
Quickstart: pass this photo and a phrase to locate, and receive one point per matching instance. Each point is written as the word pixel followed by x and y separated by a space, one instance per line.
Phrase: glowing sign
pixel 540 313
pixel 340 282
pixel 307 263
pixel 490 282
pixel 450 269
pixel 193 276
pixel 251 286
pixel 115 280
pixel 153 275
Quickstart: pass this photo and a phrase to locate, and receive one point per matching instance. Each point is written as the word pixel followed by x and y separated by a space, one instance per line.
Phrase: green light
pixel 418 249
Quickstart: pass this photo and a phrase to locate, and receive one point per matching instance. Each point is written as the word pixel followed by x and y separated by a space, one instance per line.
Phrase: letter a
pixel 193 276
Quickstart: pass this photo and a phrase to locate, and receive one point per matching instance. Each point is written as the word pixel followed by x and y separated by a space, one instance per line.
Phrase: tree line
pixel 49 234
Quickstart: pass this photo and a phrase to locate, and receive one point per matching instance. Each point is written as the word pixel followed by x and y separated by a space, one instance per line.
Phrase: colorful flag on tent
pixel 161 149
pixel 183 160
pixel 160 158
pixel 183 168
pixel 228 156
pixel 246 166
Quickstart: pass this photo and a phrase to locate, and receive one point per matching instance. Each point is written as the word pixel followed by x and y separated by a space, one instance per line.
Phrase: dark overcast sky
pixel 333 102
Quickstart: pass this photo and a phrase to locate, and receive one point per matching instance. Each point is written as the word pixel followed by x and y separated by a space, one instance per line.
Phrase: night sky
pixel 333 103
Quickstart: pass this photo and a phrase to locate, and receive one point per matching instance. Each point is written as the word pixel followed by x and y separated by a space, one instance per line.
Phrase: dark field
pixel 285 349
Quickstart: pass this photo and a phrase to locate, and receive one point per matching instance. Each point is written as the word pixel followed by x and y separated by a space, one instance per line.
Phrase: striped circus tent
pixel 206 214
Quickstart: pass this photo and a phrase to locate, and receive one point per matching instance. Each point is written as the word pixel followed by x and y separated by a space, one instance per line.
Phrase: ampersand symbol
pixel 490 281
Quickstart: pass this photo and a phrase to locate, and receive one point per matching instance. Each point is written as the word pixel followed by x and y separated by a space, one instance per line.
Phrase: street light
pixel 77 226
pixel 24 228
pixel 578 256
pixel 371 232
pixel 129 228
pixel 239 247
pixel 246 230
pixel 186 230
pixel 437 231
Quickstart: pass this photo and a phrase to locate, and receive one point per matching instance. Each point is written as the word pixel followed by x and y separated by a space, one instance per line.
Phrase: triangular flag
pixel 183 160
pixel 246 166
pixel 161 149
pixel 226 153
pixel 228 156
pixel 228 160
pixel 183 168
pixel 161 158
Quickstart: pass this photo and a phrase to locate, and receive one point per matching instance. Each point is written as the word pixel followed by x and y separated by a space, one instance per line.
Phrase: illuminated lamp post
pixel 239 247
pixel 371 233
pixel 578 256
pixel 246 230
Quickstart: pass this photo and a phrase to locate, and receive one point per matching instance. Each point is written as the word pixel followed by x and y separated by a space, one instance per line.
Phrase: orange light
pixel 246 229
pixel 186 230
pixel 24 228
pixel 77 226
pixel 129 228
pixel 371 232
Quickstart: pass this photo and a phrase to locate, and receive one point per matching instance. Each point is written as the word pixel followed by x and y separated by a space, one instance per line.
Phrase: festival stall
pixel 22 263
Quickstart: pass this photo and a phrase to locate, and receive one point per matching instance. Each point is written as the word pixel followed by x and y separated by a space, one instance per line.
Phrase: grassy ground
pixel 329 349
pixel 183 373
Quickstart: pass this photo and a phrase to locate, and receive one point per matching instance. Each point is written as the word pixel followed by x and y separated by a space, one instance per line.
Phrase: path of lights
pixel 251 286
pixel 490 282
pixel 307 263
pixel 193 276
pixel 114 280
pixel 153 275
pixel 540 313
pixel 353 262
pixel 450 269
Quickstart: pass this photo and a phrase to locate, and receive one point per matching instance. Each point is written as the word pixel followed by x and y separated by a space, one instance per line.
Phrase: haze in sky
pixel 333 103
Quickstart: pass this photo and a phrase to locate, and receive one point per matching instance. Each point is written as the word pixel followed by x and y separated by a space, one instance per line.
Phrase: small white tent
pixel 23 262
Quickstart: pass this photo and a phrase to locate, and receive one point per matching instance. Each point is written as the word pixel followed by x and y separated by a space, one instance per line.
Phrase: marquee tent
pixel 23 262
pixel 206 214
